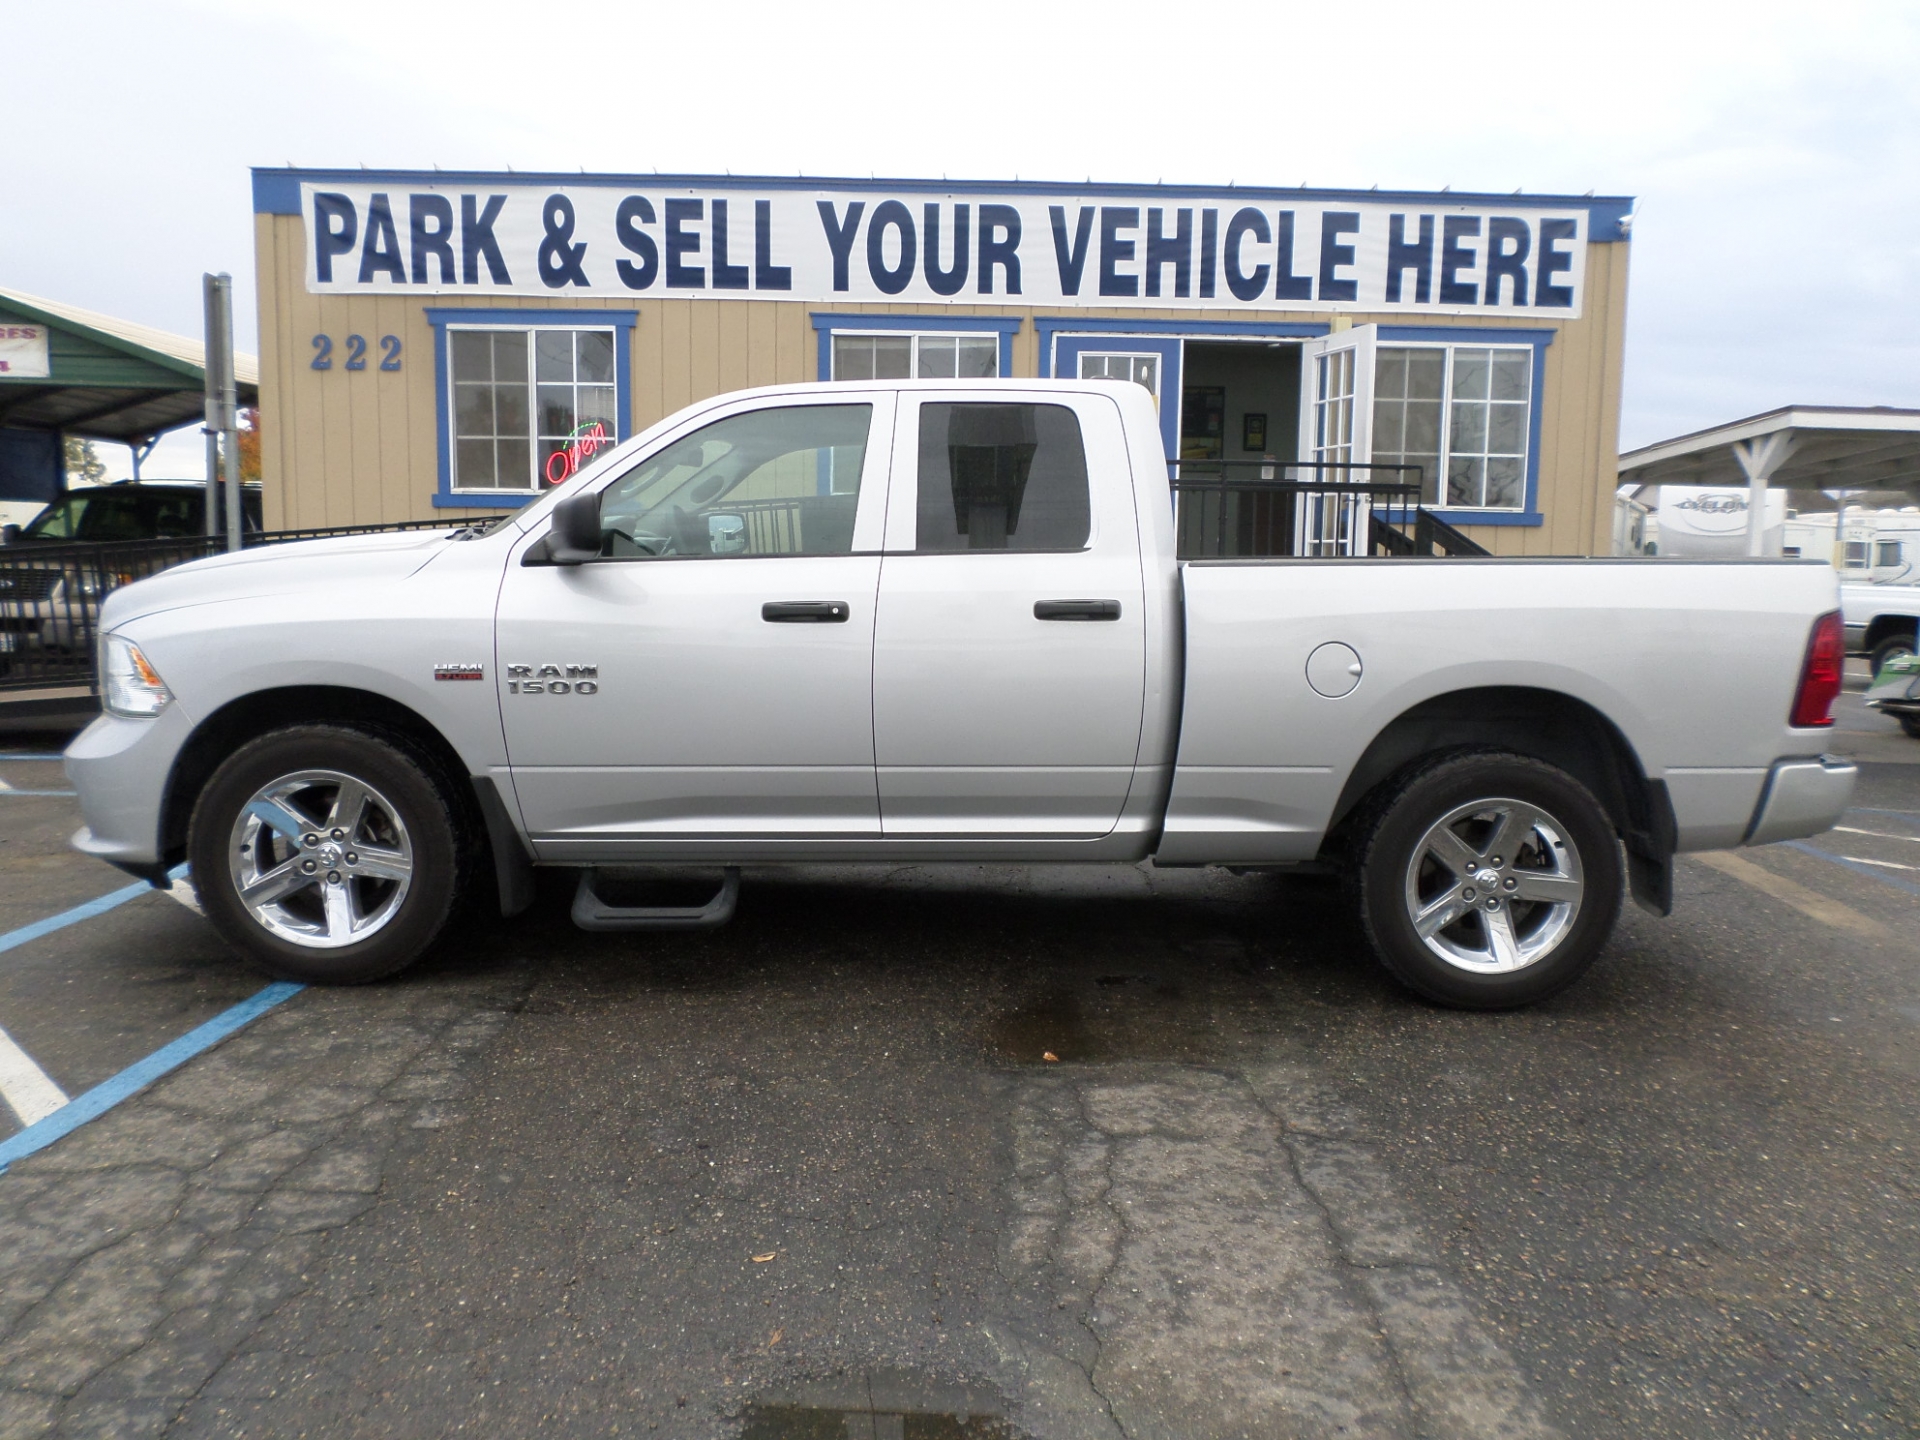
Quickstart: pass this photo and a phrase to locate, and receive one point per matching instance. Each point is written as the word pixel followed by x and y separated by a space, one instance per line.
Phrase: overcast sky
pixel 1774 148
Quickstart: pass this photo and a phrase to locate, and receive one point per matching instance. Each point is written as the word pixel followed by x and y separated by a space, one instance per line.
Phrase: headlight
pixel 128 684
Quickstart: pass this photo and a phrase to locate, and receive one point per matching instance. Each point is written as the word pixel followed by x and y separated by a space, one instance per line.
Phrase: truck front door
pixel 709 678
pixel 1010 645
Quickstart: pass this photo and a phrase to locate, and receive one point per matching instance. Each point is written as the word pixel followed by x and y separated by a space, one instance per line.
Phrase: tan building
pixel 438 342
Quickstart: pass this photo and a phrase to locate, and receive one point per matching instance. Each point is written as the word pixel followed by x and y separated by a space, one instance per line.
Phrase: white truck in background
pixel 943 621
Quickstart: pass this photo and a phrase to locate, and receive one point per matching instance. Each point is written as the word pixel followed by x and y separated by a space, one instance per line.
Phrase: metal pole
pixel 211 429
pixel 220 369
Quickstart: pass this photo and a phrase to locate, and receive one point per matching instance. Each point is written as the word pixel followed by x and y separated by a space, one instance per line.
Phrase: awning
pixel 1799 447
pixel 109 379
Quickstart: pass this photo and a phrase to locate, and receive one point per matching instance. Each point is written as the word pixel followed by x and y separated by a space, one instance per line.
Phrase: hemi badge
pixel 459 672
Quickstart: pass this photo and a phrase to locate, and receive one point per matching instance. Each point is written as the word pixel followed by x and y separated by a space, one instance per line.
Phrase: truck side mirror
pixel 9 534
pixel 575 536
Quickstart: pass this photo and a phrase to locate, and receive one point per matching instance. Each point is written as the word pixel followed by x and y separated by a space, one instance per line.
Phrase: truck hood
pixel 271 570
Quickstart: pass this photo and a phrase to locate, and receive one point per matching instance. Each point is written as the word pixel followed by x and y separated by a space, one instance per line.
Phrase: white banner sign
pixel 23 351
pixel 1217 252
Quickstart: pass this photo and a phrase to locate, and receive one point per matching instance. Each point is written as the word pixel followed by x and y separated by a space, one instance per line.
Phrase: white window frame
pixel 535 485
pixel 1440 500
pixel 915 336
pixel 1134 357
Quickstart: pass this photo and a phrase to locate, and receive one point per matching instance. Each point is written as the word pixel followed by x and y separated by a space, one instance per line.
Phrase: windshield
pixel 783 481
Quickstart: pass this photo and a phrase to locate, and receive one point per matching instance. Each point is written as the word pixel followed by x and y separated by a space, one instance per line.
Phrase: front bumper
pixel 120 767
pixel 1801 798
pixel 1896 690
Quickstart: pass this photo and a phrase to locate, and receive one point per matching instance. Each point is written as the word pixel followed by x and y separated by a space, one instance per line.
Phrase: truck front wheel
pixel 1487 880
pixel 325 854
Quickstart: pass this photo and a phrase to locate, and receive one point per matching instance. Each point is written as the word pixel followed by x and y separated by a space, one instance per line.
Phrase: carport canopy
pixel 1803 447
pixel 106 379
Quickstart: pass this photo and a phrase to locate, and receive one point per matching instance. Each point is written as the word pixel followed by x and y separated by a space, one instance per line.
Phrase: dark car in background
pixel 56 569
pixel 142 510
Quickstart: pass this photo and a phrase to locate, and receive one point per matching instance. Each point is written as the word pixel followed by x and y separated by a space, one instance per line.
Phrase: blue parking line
pixel 33 755
pixel 142 1073
pixel 9 790
pixel 1910 816
pixel 1854 865
pixel 14 938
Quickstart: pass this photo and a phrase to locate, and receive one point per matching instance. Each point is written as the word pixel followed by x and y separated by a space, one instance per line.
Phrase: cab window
pixel 783 481
pixel 59 520
pixel 1001 477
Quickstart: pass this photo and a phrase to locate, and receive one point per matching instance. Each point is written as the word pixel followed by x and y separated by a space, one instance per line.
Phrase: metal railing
pixel 51 593
pixel 1245 509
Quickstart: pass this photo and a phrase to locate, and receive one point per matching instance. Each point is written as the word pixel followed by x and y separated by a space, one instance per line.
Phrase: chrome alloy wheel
pixel 320 859
pixel 1493 886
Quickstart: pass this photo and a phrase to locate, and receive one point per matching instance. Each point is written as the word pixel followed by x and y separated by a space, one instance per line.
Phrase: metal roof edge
pixel 1787 417
pixel 179 353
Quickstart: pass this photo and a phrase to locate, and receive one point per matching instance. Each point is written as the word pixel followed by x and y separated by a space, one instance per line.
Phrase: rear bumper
pixel 1801 798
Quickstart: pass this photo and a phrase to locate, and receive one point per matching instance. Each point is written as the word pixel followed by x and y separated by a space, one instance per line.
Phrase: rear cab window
pixel 1001 476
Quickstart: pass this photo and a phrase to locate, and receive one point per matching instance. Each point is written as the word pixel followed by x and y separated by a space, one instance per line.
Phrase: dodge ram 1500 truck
pixel 938 621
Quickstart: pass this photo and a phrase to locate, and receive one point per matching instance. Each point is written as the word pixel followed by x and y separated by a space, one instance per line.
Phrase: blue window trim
pixel 826 322
pixel 276 190
pixel 1529 512
pixel 1049 326
pixel 446 497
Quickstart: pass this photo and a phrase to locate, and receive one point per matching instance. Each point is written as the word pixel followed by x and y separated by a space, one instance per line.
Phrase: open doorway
pixel 1239 400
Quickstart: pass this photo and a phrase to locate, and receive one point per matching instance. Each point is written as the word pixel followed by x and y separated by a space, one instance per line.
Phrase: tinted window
pixel 58 520
pixel 784 481
pixel 113 516
pixel 1002 477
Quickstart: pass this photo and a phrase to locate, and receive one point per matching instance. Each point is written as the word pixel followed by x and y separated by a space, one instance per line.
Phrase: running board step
pixel 590 912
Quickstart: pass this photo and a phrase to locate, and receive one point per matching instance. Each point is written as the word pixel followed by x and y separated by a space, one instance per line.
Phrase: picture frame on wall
pixel 1253 430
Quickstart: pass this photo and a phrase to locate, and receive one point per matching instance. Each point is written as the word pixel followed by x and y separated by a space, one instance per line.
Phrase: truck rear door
pixel 1009 644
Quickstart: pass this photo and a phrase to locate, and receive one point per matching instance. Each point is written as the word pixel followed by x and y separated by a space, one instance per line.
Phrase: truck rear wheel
pixel 1487 880
pixel 327 855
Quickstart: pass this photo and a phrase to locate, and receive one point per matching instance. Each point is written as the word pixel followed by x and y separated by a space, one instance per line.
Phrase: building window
pixel 915 357
pixel 1461 413
pixel 530 405
pixel 1333 408
pixel 1142 370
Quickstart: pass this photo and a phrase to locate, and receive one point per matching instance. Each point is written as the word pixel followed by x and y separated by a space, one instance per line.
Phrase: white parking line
pixel 25 1087
pixel 1877 834
pixel 1883 864
pixel 182 890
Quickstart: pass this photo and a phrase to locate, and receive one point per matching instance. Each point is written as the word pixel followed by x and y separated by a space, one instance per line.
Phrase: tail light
pixel 1821 674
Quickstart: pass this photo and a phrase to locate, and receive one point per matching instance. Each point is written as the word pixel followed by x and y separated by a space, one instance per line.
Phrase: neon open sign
pixel 583 443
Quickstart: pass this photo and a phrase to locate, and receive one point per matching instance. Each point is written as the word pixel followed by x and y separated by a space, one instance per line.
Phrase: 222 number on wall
pixel 356 353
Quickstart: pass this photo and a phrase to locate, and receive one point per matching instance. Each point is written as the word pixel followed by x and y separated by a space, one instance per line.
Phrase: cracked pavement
pixel 812 1174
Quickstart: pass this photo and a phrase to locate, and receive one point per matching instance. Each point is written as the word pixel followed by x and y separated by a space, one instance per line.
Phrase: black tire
pixel 1393 833
pixel 1901 644
pixel 1910 724
pixel 403 795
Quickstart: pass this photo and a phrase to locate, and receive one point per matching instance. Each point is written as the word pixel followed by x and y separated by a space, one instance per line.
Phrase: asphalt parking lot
pixel 815 1174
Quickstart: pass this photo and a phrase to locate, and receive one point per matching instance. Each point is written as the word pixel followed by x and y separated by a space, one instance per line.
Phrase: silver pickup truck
pixel 942 621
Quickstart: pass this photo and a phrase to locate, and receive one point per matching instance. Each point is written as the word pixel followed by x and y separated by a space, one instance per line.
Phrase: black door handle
pixel 1076 609
pixel 806 612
